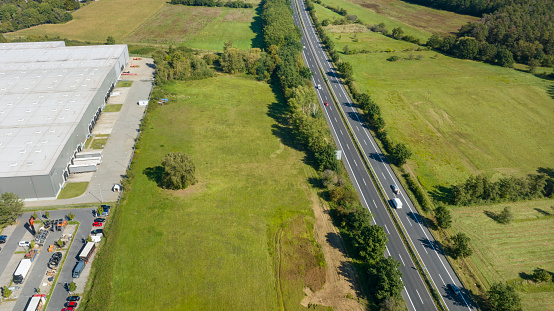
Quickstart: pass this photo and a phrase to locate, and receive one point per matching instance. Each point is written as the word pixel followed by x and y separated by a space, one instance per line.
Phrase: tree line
pixel 10 208
pixel 214 3
pixel 508 31
pixel 480 189
pixel 20 14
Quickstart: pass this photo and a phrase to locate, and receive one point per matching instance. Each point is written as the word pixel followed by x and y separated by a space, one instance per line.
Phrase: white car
pixel 318 87
pixel 24 243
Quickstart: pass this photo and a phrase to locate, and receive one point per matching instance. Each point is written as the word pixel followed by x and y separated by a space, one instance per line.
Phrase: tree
pixel 397 33
pixel 370 242
pixel 179 171
pixel 505 216
pixel 434 42
pixel 442 214
pixel 59 243
pixel 503 297
pixel 110 40
pixel 47 214
pixel 467 48
pixel 461 245
pixel 541 275
pixel 89 238
pixel 10 208
pixel 6 292
pixel 346 49
pixel 72 287
pixel 70 216
pixel 400 153
pixel 504 57
pixel 392 304
pixel 533 64
pixel 386 279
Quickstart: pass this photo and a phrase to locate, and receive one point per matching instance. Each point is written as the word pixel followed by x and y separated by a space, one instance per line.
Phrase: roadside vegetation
pixel 10 208
pixel 73 190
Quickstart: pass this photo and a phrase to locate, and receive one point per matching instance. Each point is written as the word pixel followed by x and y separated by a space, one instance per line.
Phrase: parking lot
pixel 123 129
pixel 37 278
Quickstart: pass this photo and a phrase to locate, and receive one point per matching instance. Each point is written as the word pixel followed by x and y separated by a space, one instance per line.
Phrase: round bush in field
pixel 179 171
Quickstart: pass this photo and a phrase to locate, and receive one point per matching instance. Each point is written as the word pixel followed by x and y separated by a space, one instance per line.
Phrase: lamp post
pixel 101 198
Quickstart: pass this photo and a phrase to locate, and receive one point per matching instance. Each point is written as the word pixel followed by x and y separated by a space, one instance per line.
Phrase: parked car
pixel 24 243
pixel 454 289
pixel 68 309
pixel 395 189
pixel 100 220
pixel 97 224
pixel 73 298
pixel 71 304
pixel 97 231
pixel 3 239
pixel 55 260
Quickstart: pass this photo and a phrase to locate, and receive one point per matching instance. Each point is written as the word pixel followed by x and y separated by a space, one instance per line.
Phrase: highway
pixel 433 259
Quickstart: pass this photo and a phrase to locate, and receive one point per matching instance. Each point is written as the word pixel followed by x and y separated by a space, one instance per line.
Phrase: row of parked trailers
pixel 85 161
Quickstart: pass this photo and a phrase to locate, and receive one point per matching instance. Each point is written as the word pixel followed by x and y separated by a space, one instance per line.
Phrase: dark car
pixel 97 224
pixel 100 220
pixel 55 260
pixel 73 298
pixel 394 189
pixel 3 239
pixel 454 289
pixel 97 231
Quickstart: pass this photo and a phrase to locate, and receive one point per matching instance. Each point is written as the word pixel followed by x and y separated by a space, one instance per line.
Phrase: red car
pixel 71 304
pixel 97 224
pixel 326 104
pixel 69 309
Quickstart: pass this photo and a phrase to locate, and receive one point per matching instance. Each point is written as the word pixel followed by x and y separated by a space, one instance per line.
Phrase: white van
pixel 24 243
pixel 396 203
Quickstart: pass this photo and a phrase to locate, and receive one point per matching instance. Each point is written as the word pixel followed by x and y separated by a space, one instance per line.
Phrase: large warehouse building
pixel 50 98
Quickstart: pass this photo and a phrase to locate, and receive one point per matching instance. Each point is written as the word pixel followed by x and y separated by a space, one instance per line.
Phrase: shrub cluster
pixel 479 189
pixel 214 3
pixel 179 64
pixel 416 190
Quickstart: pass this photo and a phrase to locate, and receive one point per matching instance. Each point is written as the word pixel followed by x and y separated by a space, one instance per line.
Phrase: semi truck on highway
pixel 21 271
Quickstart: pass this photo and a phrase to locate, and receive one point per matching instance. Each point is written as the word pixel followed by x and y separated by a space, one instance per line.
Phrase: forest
pixel 20 14
pixel 525 28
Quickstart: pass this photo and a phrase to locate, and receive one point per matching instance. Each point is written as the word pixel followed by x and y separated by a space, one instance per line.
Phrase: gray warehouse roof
pixel 45 88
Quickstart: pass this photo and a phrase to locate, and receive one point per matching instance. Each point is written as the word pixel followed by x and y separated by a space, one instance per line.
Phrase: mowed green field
pixel 459 117
pixel 209 247
pixel 504 253
pixel 197 27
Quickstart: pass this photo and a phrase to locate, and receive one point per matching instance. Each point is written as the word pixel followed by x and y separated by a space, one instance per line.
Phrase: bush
pixel 541 275
pixel 6 292
pixel 179 171
pixel 505 216
pixel 393 58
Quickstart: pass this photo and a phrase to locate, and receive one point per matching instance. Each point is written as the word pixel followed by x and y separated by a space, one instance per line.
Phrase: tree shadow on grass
pixel 543 212
pixel 154 174
pixel 492 215
pixel 441 194
pixel 256 27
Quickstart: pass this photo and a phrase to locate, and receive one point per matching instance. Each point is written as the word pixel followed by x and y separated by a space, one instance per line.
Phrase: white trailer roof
pixel 45 88
pixel 86 250
pixel 23 267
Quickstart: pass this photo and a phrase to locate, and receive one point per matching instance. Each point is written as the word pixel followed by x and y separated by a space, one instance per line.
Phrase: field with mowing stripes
pixel 511 252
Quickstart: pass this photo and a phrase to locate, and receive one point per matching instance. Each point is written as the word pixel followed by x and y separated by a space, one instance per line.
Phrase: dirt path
pixel 341 289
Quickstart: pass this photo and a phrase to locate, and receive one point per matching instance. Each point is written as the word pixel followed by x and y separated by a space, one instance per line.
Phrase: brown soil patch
pixel 239 15
pixel 341 279
pixel 351 28
pixel 191 189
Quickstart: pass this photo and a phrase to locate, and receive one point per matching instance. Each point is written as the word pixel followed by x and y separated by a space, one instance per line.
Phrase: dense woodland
pixel 20 14
pixel 524 28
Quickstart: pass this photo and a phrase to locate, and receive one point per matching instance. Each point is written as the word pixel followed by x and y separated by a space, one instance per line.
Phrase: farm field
pixel 212 246
pixel 459 117
pixel 98 20
pixel 197 27
pixel 154 23
pixel 510 252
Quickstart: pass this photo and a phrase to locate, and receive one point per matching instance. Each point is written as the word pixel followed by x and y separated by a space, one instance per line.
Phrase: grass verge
pixel 124 84
pixel 73 190
pixel 113 108
pixel 98 143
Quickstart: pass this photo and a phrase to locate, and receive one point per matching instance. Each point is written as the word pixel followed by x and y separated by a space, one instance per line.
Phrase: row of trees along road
pixel 20 14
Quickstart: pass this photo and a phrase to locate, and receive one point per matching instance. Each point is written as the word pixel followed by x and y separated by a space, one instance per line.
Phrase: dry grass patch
pixel 239 15
pixel 351 28
pixel 420 17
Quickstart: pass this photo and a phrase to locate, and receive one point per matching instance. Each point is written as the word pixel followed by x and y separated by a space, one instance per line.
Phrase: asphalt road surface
pixel 433 259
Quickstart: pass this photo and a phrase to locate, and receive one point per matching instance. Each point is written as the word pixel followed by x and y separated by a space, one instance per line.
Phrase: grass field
pixel 511 252
pixel 459 117
pixel 124 84
pixel 212 246
pixel 197 27
pixel 100 19
pixel 98 143
pixel 72 190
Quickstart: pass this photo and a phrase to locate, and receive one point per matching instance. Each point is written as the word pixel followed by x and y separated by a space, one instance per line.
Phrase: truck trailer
pixel 82 168
pixel 87 251
pixel 88 154
pixel 21 271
